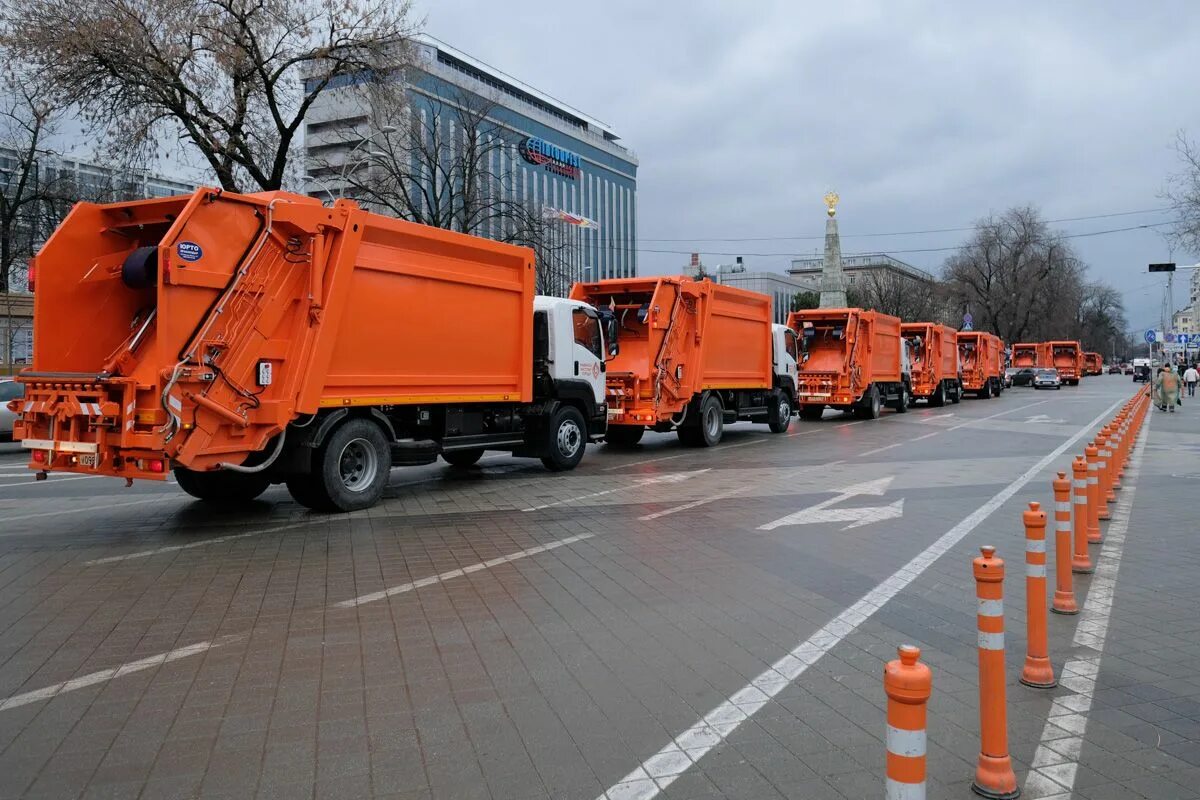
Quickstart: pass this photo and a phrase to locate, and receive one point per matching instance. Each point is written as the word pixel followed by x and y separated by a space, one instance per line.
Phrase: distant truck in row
pixel 933 353
pixel 850 360
pixel 249 339
pixel 1067 358
pixel 982 358
pixel 693 357
pixel 1093 364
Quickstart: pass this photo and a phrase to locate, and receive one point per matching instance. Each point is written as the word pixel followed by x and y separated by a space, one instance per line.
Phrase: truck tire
pixel 781 417
pixel 709 426
pixel 223 487
pixel 624 435
pixel 812 413
pixel 463 458
pixel 905 399
pixel 870 405
pixel 986 391
pixel 566 439
pixel 349 471
pixel 938 397
pixel 956 394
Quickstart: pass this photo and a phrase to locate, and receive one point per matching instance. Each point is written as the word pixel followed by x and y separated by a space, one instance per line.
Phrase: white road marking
pixel 926 436
pixel 974 420
pixel 458 573
pixel 205 543
pixel 875 488
pixel 666 512
pixel 670 477
pixel 34 482
pixel 659 771
pixel 857 517
pixel 89 508
pixel 1056 760
pixel 103 675
pixel 879 449
pixel 644 461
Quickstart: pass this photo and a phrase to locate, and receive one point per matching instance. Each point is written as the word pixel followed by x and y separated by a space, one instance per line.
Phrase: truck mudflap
pixel 91 425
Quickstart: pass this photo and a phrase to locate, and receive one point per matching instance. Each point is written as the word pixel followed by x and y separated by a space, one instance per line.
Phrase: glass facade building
pixel 555 158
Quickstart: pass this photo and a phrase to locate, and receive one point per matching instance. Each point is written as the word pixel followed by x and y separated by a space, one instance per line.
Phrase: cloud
pixel 921 114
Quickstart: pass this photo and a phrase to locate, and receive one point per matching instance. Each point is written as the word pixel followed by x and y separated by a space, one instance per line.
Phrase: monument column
pixel 833 280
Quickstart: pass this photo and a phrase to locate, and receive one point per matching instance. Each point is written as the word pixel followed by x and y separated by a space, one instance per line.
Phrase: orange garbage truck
pixel 982 356
pixel 1067 358
pixel 1093 364
pixel 241 340
pixel 851 359
pixel 1027 355
pixel 693 357
pixel 934 360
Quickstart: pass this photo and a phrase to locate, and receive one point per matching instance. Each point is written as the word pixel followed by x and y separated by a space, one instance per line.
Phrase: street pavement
pixel 660 622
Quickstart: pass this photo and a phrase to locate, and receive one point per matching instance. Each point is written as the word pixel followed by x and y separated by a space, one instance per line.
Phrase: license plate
pixel 88 459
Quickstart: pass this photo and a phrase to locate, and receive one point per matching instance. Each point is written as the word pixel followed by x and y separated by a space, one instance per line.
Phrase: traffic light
pixel 1162 267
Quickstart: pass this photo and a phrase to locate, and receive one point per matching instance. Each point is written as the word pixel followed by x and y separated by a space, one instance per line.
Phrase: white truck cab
pixel 572 343
pixel 786 353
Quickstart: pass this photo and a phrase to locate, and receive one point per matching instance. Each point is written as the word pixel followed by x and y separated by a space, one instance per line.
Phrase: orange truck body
pixel 847 351
pixel 1093 364
pixel 679 338
pixel 982 356
pixel 935 362
pixel 265 307
pixel 1066 357
pixel 1029 355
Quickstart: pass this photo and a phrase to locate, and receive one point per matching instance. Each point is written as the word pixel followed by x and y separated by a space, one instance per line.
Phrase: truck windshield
pixel 587 332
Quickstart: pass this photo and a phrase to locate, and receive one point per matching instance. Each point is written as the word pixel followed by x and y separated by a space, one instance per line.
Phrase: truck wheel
pixel 986 391
pixel 956 394
pixel 938 397
pixel 781 417
pixel 350 470
pixel 566 438
pixel 624 435
pixel 463 458
pixel 871 404
pixel 223 486
pixel 904 400
pixel 811 413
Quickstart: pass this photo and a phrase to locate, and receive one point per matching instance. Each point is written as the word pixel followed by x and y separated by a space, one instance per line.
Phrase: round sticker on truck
pixel 189 251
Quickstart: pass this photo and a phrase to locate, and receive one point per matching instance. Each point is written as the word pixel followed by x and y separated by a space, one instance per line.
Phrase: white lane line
pixel 879 449
pixel 458 573
pixel 1056 760
pixel 666 512
pixel 973 420
pixel 670 477
pixel 926 436
pixel 103 675
pixel 34 482
pixel 89 508
pixel 659 771
pixel 205 543
pixel 644 461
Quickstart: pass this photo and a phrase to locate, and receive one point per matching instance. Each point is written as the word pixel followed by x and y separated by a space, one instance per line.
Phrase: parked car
pixel 1115 369
pixel 9 390
pixel 1128 368
pixel 1007 378
pixel 1141 373
pixel 1021 376
pixel 1047 379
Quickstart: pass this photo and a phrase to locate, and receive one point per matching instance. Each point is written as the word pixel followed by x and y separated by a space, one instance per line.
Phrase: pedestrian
pixel 1191 378
pixel 1166 389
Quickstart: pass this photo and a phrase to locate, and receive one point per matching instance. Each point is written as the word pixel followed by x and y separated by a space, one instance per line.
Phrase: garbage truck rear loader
pixel 245 340
pixel 694 356
pixel 850 360
pixel 982 357
pixel 933 351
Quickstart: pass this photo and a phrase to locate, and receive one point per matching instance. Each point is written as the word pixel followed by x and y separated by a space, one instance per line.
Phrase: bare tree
pixel 1183 193
pixel 447 161
pixel 1018 278
pixel 910 299
pixel 234 78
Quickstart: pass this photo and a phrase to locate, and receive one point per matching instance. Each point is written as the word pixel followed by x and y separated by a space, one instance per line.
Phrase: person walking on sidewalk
pixel 1191 377
pixel 1166 389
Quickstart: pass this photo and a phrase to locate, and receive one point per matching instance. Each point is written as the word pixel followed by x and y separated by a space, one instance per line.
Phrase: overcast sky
pixel 920 114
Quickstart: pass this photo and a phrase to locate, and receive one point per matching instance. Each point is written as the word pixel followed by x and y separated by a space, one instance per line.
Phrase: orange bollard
pixel 908 685
pixel 1037 672
pixel 1092 454
pixel 1102 452
pixel 994 776
pixel 1117 468
pixel 1110 462
pixel 1081 562
pixel 1064 591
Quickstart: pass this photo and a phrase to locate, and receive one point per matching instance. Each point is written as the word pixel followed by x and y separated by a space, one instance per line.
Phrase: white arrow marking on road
pixel 1043 419
pixel 670 477
pixel 860 516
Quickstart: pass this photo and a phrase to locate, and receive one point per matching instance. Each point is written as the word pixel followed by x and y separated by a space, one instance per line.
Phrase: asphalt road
pixel 660 621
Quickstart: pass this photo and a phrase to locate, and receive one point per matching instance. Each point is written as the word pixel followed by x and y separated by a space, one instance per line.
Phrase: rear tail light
pixel 156 465
pixel 39 456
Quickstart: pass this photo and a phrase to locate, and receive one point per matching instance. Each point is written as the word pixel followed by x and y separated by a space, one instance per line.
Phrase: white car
pixel 1047 379
pixel 9 390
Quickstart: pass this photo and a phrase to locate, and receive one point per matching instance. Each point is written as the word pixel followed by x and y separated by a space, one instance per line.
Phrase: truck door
pixel 588 350
pixel 787 353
